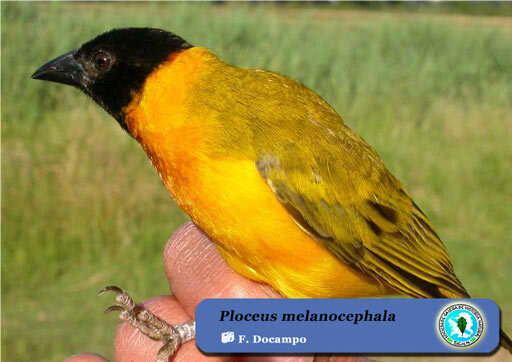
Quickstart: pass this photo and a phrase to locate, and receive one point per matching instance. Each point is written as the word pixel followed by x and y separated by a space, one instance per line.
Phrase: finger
pixel 131 345
pixel 196 271
pixel 85 357
pixel 189 352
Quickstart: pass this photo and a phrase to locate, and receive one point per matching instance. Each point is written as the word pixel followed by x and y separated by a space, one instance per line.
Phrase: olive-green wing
pixel 343 196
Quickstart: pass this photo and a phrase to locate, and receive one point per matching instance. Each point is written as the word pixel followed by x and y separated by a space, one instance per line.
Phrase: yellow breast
pixel 258 238
pixel 226 196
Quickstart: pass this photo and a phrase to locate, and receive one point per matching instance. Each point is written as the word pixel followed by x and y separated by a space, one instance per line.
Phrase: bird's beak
pixel 64 69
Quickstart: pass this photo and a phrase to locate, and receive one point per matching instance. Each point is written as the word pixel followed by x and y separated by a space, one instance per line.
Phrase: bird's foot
pixel 150 325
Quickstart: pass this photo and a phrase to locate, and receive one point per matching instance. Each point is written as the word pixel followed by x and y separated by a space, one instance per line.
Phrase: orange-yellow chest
pixel 226 197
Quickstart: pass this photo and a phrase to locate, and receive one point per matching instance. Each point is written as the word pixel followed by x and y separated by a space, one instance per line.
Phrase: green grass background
pixel 82 208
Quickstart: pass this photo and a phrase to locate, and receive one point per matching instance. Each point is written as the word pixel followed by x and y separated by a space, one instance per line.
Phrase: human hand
pixel 195 271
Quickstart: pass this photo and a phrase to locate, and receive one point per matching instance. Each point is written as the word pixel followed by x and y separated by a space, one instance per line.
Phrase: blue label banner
pixel 347 325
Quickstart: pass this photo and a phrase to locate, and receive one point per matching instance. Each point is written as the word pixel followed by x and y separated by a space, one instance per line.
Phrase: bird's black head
pixel 114 65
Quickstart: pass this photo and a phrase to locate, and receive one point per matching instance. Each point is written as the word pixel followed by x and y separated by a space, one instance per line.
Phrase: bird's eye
pixel 102 61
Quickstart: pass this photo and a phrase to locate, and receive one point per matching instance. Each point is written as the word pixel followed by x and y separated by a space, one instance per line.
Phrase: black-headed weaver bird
pixel 266 168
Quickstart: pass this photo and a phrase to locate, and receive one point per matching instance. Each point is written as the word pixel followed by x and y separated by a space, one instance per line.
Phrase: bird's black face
pixel 113 66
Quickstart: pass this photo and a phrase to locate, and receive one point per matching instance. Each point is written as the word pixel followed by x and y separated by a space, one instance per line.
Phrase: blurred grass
pixel 476 8
pixel 82 208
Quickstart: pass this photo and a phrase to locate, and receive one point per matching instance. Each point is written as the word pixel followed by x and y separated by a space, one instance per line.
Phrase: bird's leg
pixel 150 325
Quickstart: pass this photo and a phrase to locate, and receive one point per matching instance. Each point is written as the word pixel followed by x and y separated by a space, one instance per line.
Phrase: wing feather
pixel 344 197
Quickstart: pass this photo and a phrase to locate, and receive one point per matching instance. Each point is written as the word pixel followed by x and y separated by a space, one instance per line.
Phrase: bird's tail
pixel 505 341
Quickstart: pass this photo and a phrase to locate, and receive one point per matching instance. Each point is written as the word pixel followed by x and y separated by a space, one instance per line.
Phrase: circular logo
pixel 460 325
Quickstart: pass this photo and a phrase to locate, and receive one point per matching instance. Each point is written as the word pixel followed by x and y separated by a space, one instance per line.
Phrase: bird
pixel 290 195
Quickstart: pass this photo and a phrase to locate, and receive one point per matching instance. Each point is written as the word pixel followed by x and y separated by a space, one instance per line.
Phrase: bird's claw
pixel 114 308
pixel 149 324
pixel 123 300
pixel 111 288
